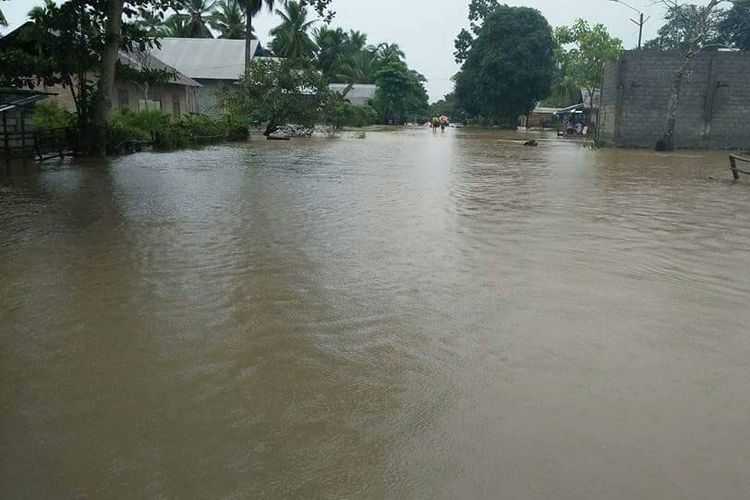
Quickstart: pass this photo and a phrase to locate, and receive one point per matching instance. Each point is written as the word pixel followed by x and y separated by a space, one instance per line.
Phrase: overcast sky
pixel 425 29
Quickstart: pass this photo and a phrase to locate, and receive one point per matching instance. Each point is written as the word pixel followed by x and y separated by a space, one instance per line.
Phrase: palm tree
pixel 360 67
pixel 332 47
pixel 229 20
pixel 292 38
pixel 178 26
pixel 389 52
pixel 357 41
pixel 199 12
pixel 252 7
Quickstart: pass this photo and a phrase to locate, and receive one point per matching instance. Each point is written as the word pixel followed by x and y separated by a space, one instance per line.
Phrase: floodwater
pixel 405 315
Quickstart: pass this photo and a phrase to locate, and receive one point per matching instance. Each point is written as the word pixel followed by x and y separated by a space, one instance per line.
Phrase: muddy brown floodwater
pixel 406 315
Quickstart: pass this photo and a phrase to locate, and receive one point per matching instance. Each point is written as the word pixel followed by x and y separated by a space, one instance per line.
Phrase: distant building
pixel 215 63
pixel 360 94
pixel 714 103
pixel 177 96
pixel 585 111
pixel 541 117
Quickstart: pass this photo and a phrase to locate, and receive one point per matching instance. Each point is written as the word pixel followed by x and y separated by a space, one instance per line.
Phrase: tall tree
pixel 357 41
pixel 252 8
pixel 292 37
pixel 199 12
pixel 582 51
pixel 331 48
pixel 112 11
pixel 229 20
pixel 734 28
pixel 507 61
pixel 359 67
pixel 389 52
pixel 277 93
pixel 682 21
pixel 152 23
pixel 703 23
pixel 401 96
pixel 178 26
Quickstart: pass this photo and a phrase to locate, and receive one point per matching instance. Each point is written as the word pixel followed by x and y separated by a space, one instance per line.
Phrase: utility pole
pixel 640 22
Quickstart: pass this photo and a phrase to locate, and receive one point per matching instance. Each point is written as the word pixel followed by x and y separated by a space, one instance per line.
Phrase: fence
pixel 42 144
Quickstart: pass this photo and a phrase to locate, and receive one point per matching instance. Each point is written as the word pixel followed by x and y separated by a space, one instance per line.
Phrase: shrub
pixel 119 135
pixel 362 116
pixel 165 133
pixel 49 115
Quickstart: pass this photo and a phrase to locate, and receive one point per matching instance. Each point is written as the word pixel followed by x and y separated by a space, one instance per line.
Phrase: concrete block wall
pixel 714 104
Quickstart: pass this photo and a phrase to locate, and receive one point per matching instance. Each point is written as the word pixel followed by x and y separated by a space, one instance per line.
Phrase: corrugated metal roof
pixel 11 98
pixel 140 60
pixel 209 58
pixel 358 91
pixel 545 111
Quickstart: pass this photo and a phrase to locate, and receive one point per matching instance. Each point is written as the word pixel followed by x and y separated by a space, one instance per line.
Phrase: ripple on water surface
pixel 446 314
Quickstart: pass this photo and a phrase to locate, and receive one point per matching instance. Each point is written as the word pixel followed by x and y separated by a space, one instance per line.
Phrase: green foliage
pixel 279 92
pixel 507 63
pixel 734 28
pixel 196 15
pixel 583 51
pixel 684 23
pixel 188 131
pixel 361 116
pixel 401 96
pixel 292 38
pixel 125 127
pixel 448 106
pixel 228 20
pixel 165 133
pixel 49 115
pixel 64 43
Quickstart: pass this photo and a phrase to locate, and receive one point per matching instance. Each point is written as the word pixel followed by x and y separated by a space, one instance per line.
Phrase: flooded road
pixel 406 315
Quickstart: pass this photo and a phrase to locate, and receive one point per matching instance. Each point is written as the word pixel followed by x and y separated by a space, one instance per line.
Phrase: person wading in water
pixel 435 123
pixel 443 122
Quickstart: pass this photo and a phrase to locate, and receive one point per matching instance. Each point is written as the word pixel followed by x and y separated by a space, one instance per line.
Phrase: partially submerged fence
pixel 734 160
pixel 42 144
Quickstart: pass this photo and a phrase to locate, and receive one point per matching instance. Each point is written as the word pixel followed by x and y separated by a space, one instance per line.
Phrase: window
pixel 176 112
pixel 123 100
pixel 149 105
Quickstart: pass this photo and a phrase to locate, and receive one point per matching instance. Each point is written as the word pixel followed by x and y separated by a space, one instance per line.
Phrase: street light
pixel 640 22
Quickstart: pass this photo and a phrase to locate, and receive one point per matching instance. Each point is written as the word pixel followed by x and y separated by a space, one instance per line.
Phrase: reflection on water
pixel 425 314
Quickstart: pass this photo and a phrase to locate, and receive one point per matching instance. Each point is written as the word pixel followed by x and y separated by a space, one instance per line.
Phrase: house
pixel 178 95
pixel 215 63
pixel 360 94
pixel 541 117
pixel 585 111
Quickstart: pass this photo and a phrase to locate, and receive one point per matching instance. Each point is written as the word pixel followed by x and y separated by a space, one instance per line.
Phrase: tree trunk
pixel 248 38
pixel 667 141
pixel 113 37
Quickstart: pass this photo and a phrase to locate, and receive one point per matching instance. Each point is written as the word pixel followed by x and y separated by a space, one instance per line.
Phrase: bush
pixel 236 132
pixel 165 133
pixel 119 135
pixel 362 116
pixel 49 115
